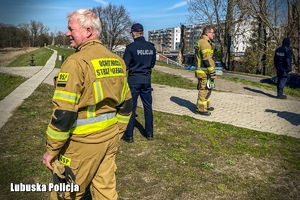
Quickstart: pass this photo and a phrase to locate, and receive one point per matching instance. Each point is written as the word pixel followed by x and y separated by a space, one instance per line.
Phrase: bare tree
pixel 36 31
pixel 60 38
pixel 116 25
pixel 293 30
pixel 224 15
pixel 209 12
pixel 228 32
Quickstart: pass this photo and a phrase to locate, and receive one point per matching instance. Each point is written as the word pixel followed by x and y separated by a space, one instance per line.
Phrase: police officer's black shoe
pixel 149 137
pixel 282 97
pixel 127 139
pixel 207 113
pixel 211 109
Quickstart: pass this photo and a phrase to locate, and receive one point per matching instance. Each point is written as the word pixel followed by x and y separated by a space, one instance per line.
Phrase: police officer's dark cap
pixel 137 28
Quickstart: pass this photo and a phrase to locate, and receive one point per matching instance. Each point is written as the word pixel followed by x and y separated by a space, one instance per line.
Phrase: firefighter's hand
pixel 213 77
pixel 47 160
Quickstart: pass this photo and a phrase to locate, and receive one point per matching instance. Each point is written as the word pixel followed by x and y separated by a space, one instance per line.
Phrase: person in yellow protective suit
pixel 205 71
pixel 92 106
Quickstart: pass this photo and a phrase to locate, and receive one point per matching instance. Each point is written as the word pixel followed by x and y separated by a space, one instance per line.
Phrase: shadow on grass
pixel 293 118
pixel 141 128
pixel 184 103
pixel 260 92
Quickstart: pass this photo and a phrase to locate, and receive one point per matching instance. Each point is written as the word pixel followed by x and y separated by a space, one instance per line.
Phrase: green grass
pixel 8 83
pixel 188 159
pixel 66 52
pixel 236 79
pixel 271 87
pixel 41 56
pixel 171 80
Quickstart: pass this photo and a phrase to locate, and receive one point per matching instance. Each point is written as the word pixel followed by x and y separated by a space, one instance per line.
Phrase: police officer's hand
pixel 47 160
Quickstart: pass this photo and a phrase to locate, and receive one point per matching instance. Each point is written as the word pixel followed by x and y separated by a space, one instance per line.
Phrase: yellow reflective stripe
pixel 102 117
pixel 207 51
pixel 125 90
pixel 123 118
pixel 66 96
pixel 211 69
pixel 56 134
pixel 200 72
pixel 64 160
pixel 91 111
pixel 202 68
pixel 98 92
pixel 107 67
pixel 98 126
pixel 202 102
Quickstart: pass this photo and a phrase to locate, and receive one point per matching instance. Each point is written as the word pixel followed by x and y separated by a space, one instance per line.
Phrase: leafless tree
pixel 294 30
pixel 116 25
pixel 224 15
pixel 60 38
pixel 209 12
pixel 36 31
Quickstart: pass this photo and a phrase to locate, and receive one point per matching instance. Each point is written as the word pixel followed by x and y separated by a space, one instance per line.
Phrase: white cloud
pixel 102 2
pixel 177 5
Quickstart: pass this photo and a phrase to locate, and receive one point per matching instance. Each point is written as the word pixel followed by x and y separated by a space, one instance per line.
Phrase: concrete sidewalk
pixel 15 98
pixel 234 103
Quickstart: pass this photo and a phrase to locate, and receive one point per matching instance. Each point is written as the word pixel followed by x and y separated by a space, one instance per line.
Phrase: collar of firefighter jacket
pixel 207 38
pixel 88 43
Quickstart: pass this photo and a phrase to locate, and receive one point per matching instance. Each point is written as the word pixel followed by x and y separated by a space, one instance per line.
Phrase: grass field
pixel 188 159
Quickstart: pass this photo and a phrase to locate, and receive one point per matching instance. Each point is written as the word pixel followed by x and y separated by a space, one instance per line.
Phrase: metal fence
pixel 167 60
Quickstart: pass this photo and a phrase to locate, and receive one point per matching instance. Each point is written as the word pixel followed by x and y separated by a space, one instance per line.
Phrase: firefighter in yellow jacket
pixel 205 70
pixel 92 106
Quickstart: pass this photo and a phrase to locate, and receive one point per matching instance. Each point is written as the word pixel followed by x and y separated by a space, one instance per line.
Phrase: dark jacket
pixel 283 56
pixel 139 57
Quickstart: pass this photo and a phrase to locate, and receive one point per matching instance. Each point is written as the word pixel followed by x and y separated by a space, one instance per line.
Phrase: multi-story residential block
pixel 169 39
pixel 165 39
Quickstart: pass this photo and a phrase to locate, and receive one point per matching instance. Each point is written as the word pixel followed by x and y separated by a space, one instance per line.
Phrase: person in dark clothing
pixel 283 65
pixel 140 58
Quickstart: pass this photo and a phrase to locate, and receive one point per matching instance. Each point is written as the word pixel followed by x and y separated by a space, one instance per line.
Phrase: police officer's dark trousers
pixel 145 92
pixel 282 79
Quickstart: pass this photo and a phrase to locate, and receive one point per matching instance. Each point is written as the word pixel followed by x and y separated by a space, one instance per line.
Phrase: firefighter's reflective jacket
pixel 204 52
pixel 92 100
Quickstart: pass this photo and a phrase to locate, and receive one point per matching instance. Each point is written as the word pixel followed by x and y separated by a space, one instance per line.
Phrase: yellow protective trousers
pixel 204 93
pixel 93 165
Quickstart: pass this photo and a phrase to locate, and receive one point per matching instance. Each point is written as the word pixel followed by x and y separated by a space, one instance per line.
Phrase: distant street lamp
pixel 32 60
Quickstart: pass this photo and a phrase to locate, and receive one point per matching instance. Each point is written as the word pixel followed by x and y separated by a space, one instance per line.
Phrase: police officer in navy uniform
pixel 283 64
pixel 140 58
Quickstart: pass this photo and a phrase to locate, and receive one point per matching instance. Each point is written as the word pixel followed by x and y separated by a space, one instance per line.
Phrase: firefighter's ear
pixel 89 32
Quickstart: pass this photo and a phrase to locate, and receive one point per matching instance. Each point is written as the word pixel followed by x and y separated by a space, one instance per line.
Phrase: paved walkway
pixel 234 103
pixel 15 98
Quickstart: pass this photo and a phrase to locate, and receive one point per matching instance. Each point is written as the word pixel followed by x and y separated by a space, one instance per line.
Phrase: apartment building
pixel 169 39
pixel 165 39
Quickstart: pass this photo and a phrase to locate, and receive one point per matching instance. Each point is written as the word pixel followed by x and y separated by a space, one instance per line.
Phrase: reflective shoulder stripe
pixel 123 118
pixel 93 127
pixel 66 96
pixel 102 117
pixel 56 134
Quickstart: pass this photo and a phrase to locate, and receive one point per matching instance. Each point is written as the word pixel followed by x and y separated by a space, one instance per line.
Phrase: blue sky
pixel 52 13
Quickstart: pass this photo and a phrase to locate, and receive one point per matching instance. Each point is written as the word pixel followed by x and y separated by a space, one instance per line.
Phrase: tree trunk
pixel 293 31
pixel 228 33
